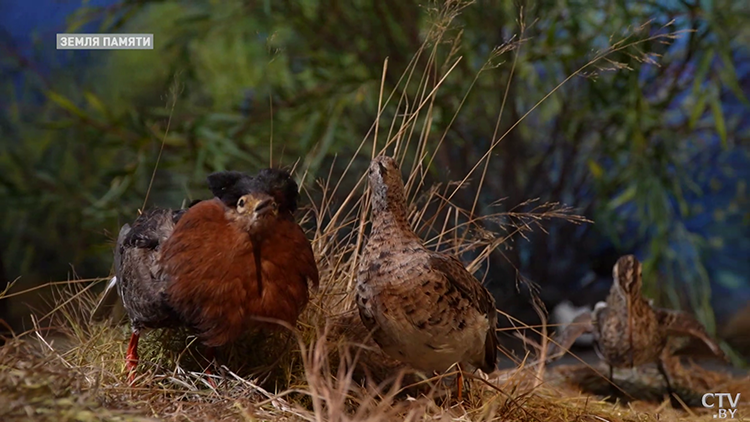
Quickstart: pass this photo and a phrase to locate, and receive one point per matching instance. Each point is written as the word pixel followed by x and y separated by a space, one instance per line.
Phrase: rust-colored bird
pixel 139 279
pixel 138 248
pixel 230 268
pixel 628 331
pixel 423 307
pixel 161 261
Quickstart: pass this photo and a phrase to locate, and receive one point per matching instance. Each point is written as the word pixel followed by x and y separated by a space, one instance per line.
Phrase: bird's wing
pixel 304 258
pixel 119 249
pixel 562 341
pixel 151 228
pixel 678 323
pixel 479 297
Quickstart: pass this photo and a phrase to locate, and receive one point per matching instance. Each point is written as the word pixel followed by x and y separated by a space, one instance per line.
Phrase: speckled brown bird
pixel 628 331
pixel 154 288
pixel 423 307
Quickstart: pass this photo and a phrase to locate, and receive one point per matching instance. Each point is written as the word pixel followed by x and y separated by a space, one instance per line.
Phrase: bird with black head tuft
pixel 161 261
pixel 230 185
pixel 233 269
pixel 135 250
pixel 282 187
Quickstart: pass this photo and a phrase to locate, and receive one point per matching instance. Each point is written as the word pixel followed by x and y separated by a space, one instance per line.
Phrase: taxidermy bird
pixel 232 269
pixel 221 267
pixel 423 307
pixel 628 331
pixel 151 229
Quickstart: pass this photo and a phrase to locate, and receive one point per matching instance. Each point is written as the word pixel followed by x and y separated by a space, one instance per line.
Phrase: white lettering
pixel 734 402
pixel 721 412
pixel 703 400
pixel 105 41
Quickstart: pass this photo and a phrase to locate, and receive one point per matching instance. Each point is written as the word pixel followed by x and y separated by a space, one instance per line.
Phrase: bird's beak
pixel 262 205
pixel 265 206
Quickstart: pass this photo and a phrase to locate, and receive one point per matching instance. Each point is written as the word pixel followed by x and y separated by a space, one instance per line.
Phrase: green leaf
pixel 596 170
pixel 729 280
pixel 626 196
pixel 65 103
pixel 719 122
pixel 95 103
pixel 728 76
pixel 702 71
pixel 698 108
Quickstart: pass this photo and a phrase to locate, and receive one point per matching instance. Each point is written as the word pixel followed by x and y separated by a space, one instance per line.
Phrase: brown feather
pixel 212 271
pixel 565 338
pixel 678 323
pixel 476 294
pixel 423 307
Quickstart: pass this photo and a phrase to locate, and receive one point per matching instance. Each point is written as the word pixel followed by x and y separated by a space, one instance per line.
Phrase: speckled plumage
pixel 138 272
pixel 424 308
pixel 628 331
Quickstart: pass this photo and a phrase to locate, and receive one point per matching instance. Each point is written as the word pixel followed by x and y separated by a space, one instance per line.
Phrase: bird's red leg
pixel 460 381
pixel 131 356
pixel 210 355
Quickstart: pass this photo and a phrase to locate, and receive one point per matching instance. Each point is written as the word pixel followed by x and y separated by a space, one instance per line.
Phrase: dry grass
pixel 69 368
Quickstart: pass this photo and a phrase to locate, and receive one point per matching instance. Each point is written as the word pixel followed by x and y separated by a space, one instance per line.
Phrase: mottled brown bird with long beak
pixel 628 331
pixel 423 307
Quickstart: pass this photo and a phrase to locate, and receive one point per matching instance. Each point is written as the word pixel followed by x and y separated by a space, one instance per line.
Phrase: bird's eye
pixel 241 203
pixel 382 168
